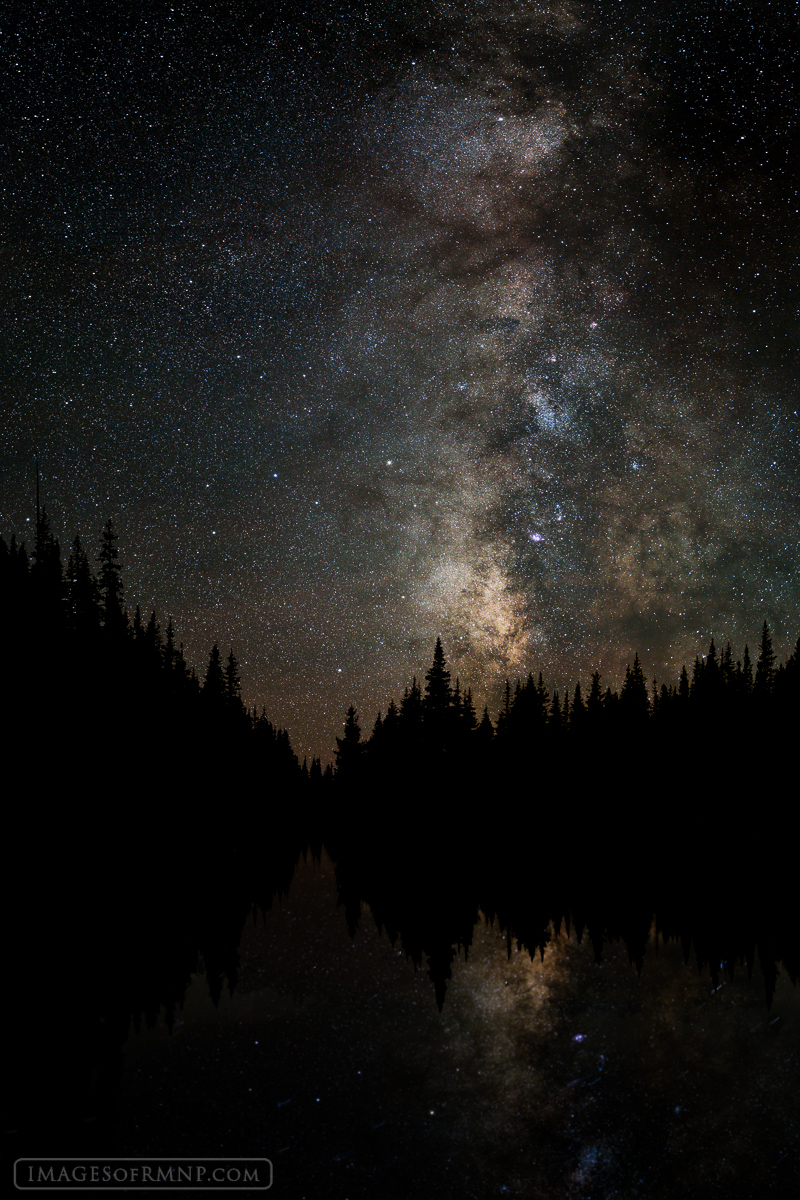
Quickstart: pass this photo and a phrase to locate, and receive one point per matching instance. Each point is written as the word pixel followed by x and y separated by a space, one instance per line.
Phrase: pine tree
pixel 232 684
pixel 152 640
pixel 170 654
pixel 634 700
pixel 485 731
pixel 115 621
pixel 438 696
pixel 505 712
pixel 411 713
pixel 542 693
pixel 594 703
pixel 579 713
pixel 83 597
pixel 468 717
pixel 697 678
pixel 214 682
pixel 556 721
pixel 137 628
pixel 765 667
pixel 391 723
pixel 47 583
pixel 349 748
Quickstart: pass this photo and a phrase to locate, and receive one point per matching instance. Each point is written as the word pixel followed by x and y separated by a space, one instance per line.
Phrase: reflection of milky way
pixel 544 1078
pixel 477 325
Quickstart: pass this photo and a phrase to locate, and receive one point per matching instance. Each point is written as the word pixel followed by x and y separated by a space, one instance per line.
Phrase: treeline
pixel 726 722
pixel 90 689
pixel 98 703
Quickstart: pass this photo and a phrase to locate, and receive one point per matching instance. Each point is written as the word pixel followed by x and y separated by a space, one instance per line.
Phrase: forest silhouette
pixel 151 812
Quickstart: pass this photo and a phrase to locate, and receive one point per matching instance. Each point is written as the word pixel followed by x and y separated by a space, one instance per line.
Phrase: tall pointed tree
pixel 411 715
pixel 214 682
pixel 594 703
pixel 438 695
pixel 47 583
pixel 634 700
pixel 349 748
pixel 765 666
pixel 468 718
pixel 484 734
pixel 83 596
pixel 579 714
pixel 115 621
pixel 233 686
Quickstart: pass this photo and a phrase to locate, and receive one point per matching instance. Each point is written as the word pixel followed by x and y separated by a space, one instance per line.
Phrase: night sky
pixel 367 323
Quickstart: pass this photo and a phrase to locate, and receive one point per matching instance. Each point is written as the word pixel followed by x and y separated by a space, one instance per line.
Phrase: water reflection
pixel 557 1077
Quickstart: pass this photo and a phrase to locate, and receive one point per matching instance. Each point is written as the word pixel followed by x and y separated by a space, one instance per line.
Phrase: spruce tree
pixel 411 714
pixel 765 667
pixel 594 703
pixel 115 621
pixel 169 653
pixel 137 627
pixel 634 700
pixel 579 713
pixel 457 701
pixel 485 731
pixel 505 712
pixel 391 723
pixel 47 584
pixel 152 640
pixel 232 684
pixel 556 721
pixel 438 696
pixel 83 597
pixel 214 682
pixel 349 748
pixel 468 718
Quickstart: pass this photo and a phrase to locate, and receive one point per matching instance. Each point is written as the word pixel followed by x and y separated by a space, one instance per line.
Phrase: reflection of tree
pixel 159 810
pixel 139 785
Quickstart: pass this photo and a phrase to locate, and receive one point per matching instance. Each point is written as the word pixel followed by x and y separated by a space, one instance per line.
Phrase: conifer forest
pixel 400 598
pixel 149 799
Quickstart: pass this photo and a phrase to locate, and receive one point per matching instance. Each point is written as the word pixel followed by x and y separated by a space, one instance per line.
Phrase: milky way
pixel 376 323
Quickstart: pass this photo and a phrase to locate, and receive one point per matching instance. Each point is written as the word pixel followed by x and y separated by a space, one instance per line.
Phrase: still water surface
pixel 553 1078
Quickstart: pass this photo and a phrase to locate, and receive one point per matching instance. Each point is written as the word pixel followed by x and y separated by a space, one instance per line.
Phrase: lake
pixel 553 1077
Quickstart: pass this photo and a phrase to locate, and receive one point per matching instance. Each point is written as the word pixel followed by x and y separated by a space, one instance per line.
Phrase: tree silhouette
pixel 349 748
pixel 438 696
pixel 115 621
pixel 765 667
pixel 232 684
pixel 485 731
pixel 634 700
pixel 214 681
pixel 83 597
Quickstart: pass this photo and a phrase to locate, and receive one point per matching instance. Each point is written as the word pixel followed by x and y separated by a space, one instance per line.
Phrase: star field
pixel 370 323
